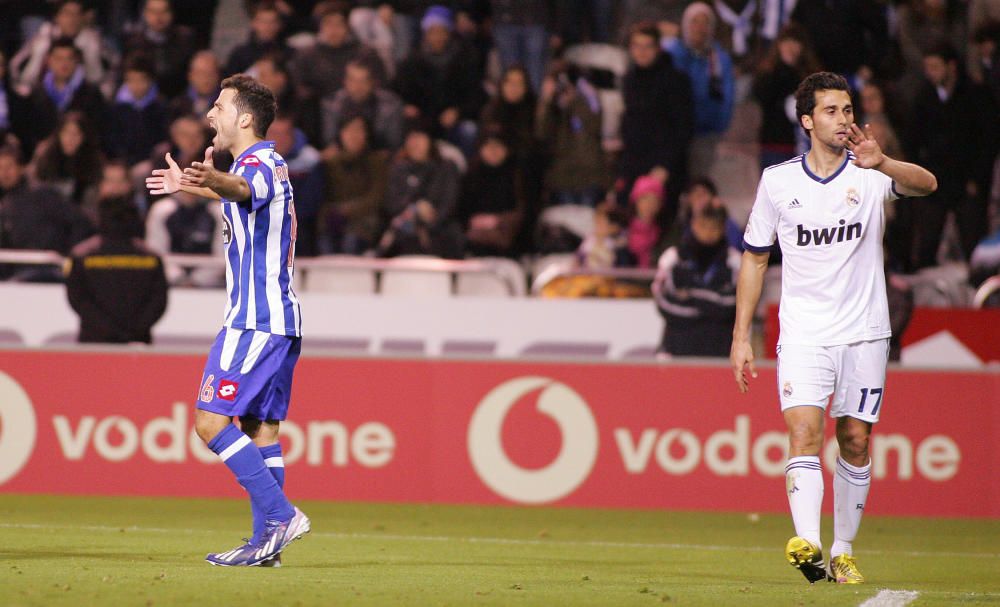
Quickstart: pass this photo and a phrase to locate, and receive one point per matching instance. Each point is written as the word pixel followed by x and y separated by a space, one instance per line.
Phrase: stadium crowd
pixel 489 127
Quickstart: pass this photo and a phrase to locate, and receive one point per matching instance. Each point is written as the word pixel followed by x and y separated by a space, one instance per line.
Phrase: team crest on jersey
pixel 787 389
pixel 250 160
pixel 227 389
pixel 853 199
pixel 227 230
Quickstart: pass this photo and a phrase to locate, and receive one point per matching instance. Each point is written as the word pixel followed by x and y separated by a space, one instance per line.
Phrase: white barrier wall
pixel 38 315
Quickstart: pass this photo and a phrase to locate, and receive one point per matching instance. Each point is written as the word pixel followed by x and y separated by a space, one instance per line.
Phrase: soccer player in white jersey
pixel 826 210
pixel 249 369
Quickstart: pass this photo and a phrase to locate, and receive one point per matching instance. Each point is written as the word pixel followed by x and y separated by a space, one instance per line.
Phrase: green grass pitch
pixel 131 551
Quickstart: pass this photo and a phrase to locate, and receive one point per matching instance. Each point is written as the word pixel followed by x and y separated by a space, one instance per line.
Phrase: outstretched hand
pixel 165 181
pixel 867 153
pixel 200 174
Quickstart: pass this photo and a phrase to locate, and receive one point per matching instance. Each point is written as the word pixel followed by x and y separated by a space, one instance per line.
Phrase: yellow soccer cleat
pixel 844 570
pixel 807 557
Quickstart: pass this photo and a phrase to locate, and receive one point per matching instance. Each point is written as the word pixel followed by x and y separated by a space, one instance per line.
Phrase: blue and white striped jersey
pixel 259 238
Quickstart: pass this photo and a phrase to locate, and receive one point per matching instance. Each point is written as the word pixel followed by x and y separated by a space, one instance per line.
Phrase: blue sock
pixel 244 459
pixel 276 466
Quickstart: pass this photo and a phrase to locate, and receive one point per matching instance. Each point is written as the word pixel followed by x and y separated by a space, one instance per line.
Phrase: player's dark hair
pixel 253 98
pixel 805 95
pixel 66 42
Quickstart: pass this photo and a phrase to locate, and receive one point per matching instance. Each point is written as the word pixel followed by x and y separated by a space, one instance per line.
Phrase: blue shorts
pixel 249 373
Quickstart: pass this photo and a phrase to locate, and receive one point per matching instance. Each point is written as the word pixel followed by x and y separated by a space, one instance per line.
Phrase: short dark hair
pixel 66 42
pixel 253 98
pixel 331 7
pixel 703 182
pixel 643 28
pixel 140 62
pixel 805 95
pixel 944 50
pixel 713 214
pixel 12 151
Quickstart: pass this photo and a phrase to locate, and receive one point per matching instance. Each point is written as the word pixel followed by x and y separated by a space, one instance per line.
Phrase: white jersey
pixel 830 232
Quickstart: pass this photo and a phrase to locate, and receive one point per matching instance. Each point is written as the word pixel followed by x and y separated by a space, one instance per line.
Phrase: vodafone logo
pixel 17 428
pixel 559 478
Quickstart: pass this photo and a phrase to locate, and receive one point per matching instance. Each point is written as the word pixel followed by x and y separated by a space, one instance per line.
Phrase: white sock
pixel 850 491
pixel 804 485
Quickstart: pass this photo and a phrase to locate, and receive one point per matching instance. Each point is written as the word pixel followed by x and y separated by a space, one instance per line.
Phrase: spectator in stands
pixel 69 22
pixel 350 218
pixel 115 183
pixel 492 203
pixel 740 31
pixel 710 68
pixel 12 108
pixel 169 45
pixel 788 61
pixel 188 138
pixel 874 112
pixel 320 69
pixel 185 223
pixel 923 24
pixel 440 81
pixel 700 195
pixel 70 159
pixel 273 73
pixel 984 58
pixel 985 259
pixel 607 245
pixel 138 118
pixel 695 289
pixel 363 96
pixel 568 121
pixel 520 32
pixel 35 217
pixel 203 78
pixel 266 38
pixel 62 89
pixel 377 25
pixel 513 109
pixel 115 283
pixel 959 149
pixel 420 201
pixel 658 122
pixel 306 174
pixel 847 35
pixel 644 232
pixel 596 17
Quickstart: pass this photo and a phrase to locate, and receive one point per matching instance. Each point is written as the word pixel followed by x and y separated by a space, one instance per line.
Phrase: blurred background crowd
pixel 605 129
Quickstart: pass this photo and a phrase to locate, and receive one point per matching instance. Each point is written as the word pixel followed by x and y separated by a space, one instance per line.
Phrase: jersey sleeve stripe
pixel 754 248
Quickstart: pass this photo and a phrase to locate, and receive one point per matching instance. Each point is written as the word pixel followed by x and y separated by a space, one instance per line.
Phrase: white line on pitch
pixel 496 540
pixel 891 598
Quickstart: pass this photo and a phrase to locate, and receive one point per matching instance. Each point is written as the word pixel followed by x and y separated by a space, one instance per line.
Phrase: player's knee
pixel 208 426
pixel 854 445
pixel 804 438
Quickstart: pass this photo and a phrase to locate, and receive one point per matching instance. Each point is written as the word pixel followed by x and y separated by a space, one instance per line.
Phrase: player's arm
pixel 910 179
pixel 168 181
pixel 748 288
pixel 225 185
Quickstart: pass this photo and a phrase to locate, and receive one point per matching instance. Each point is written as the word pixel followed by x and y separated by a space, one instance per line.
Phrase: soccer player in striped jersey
pixel 826 210
pixel 249 369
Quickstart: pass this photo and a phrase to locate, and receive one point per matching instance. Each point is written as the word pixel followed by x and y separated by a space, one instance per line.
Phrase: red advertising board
pixel 590 435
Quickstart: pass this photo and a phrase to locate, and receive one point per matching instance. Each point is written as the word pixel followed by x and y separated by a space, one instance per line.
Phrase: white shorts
pixel 854 374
